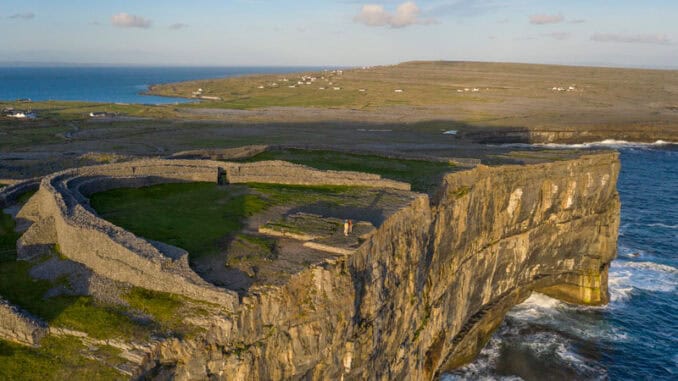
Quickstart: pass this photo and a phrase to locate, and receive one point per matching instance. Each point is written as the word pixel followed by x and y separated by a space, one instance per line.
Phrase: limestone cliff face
pixel 424 293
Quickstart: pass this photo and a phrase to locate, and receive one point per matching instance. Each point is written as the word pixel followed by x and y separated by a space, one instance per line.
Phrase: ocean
pixel 111 84
pixel 635 337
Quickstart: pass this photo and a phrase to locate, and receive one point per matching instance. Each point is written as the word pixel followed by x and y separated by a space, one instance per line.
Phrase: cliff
pixel 427 289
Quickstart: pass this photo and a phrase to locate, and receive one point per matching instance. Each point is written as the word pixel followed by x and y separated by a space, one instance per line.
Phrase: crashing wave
pixel 607 143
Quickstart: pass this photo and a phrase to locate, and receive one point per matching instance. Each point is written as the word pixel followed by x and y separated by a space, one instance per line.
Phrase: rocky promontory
pixel 419 293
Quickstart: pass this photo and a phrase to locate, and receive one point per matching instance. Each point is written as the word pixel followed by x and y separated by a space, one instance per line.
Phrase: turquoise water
pixel 635 337
pixel 110 84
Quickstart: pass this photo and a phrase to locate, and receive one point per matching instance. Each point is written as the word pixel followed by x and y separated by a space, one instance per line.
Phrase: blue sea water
pixel 110 84
pixel 635 337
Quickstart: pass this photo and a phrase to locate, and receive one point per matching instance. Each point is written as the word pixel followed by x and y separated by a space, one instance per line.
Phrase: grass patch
pixel 162 306
pixel 279 194
pixel 73 312
pixel 423 175
pixel 25 197
pixel 195 216
pixel 56 359
pixel 8 238
pixel 460 192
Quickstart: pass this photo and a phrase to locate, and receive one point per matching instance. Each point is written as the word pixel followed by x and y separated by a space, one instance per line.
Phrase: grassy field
pixel 74 312
pixel 202 217
pixel 56 359
pixel 195 217
pixel 436 83
pixel 73 110
pixel 423 175
pixel 61 358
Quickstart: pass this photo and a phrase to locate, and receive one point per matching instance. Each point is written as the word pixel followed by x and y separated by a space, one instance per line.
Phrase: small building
pixel 18 114
pixel 398 90
pixel 98 114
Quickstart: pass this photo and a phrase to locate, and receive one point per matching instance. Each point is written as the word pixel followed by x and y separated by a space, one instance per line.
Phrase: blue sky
pixel 271 33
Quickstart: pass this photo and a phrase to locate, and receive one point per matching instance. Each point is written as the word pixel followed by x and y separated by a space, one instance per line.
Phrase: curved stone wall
pixel 20 327
pixel 10 193
pixel 61 214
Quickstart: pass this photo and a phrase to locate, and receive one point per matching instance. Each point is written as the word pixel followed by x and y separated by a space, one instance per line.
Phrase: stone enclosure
pixel 420 294
pixel 60 215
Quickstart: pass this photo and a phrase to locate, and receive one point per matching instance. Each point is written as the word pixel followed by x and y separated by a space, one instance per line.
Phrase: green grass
pixel 165 308
pixel 75 110
pixel 56 359
pixel 195 216
pixel 74 312
pixel 279 194
pixel 203 217
pixel 423 175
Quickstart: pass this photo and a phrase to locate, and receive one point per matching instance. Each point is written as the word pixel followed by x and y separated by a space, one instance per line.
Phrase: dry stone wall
pixel 281 172
pixel 61 215
pixel 253 150
pixel 20 327
pixel 10 193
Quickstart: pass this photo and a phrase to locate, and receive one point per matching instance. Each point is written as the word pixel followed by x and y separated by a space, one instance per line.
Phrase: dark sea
pixel 110 84
pixel 635 337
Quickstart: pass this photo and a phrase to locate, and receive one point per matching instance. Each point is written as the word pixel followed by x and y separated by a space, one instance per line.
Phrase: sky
pixel 628 33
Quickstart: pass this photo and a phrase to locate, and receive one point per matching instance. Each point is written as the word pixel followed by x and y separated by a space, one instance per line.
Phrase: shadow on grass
pixel 75 312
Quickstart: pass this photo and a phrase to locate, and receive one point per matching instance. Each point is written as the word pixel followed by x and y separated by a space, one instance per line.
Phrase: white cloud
pixel 541 19
pixel 406 14
pixel 177 26
pixel 23 15
pixel 125 20
pixel 660 39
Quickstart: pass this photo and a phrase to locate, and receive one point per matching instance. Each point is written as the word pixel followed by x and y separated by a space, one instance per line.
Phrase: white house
pixel 398 90
pixel 22 115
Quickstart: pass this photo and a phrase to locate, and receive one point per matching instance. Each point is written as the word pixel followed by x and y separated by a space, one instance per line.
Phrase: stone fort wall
pixel 253 150
pixel 20 327
pixel 61 215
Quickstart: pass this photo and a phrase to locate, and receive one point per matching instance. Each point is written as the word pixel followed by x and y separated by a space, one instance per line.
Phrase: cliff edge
pixel 428 288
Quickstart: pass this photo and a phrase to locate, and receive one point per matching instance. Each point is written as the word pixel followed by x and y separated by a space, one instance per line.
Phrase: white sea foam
pixel 625 276
pixel 482 368
pixel 536 306
pixel 610 143
pixel 660 225
pixel 650 266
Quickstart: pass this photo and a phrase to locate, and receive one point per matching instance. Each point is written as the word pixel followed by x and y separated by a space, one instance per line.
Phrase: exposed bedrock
pixel 426 291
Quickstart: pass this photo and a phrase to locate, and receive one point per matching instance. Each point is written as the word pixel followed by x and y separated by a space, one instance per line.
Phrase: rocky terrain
pixel 420 294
